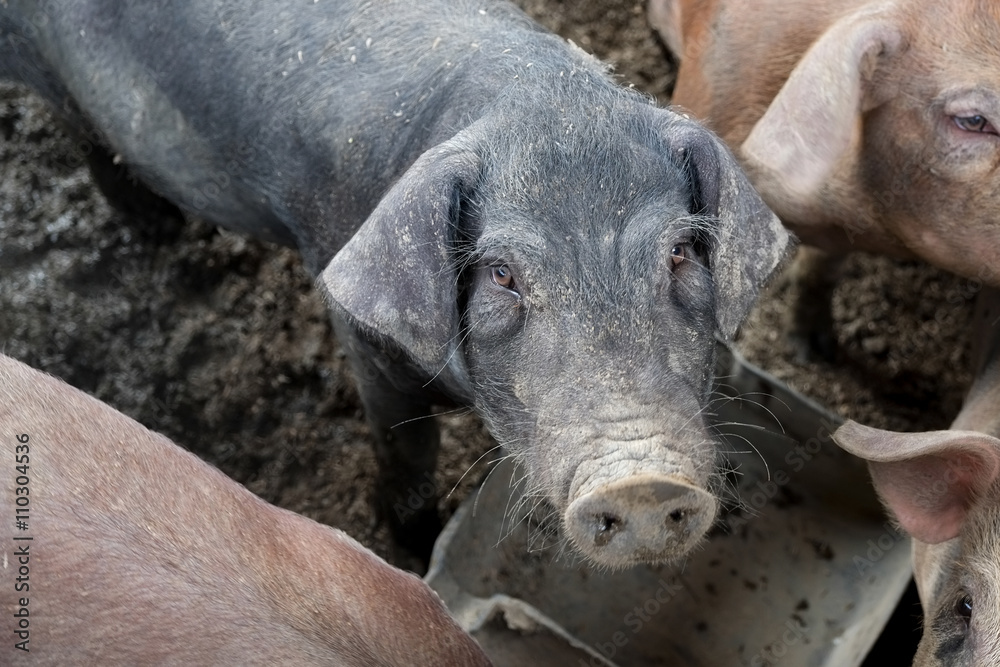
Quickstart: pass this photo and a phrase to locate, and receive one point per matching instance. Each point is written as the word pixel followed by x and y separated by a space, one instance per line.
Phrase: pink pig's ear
pixel 666 18
pixel 929 480
pixel 812 122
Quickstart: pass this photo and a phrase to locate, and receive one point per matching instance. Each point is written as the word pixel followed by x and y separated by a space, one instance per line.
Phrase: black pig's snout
pixel 643 518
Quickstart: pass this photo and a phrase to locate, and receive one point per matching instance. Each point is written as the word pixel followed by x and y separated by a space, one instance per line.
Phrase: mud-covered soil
pixel 902 360
pixel 221 343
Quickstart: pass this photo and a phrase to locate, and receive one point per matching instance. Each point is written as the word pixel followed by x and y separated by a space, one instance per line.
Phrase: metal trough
pixel 802 570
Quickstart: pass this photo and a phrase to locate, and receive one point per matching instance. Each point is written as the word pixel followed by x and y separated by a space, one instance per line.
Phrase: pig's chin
pixel 637 509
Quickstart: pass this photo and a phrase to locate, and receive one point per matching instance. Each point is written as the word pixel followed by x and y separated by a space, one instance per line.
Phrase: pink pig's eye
pixel 976 123
pixel 963 608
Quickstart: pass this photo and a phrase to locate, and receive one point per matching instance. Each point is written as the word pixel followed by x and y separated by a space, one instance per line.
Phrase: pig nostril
pixel 607 522
pixel 646 517
pixel 608 525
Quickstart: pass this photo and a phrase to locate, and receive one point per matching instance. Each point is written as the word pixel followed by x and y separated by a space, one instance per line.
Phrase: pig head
pixel 866 125
pixel 575 310
pixel 944 489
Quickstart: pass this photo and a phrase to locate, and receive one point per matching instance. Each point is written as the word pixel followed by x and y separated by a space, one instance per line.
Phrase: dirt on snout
pixel 221 343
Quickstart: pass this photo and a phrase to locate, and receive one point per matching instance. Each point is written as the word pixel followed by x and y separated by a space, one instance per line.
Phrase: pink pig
pixel 944 489
pixel 865 125
pixel 133 551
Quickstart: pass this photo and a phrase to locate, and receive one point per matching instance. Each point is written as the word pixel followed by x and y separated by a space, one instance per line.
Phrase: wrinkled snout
pixel 643 518
pixel 640 502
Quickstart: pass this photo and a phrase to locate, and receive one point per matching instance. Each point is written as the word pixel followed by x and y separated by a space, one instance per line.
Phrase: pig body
pixel 944 489
pixel 133 551
pixel 494 222
pixel 865 124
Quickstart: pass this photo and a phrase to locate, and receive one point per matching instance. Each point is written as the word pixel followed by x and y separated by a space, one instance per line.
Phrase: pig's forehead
pixel 592 152
pixel 585 192
pixel 960 40
pixel 635 229
pixel 968 25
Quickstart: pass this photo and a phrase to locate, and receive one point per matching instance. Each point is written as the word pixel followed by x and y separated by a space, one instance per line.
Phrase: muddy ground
pixel 221 343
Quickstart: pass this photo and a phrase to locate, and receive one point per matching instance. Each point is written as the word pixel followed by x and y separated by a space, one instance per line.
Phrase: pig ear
pixel 750 241
pixel 813 120
pixel 396 277
pixel 665 17
pixel 929 480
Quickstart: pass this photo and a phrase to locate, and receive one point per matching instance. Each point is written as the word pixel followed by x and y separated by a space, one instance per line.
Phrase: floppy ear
pixel 812 122
pixel 396 277
pixel 665 16
pixel 929 480
pixel 750 241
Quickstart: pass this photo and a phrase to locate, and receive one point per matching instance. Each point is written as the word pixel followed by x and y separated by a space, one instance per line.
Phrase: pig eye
pixel 963 608
pixel 684 253
pixel 679 253
pixel 503 277
pixel 975 123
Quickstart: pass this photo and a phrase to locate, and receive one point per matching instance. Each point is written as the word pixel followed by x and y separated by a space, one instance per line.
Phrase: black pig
pixel 494 222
